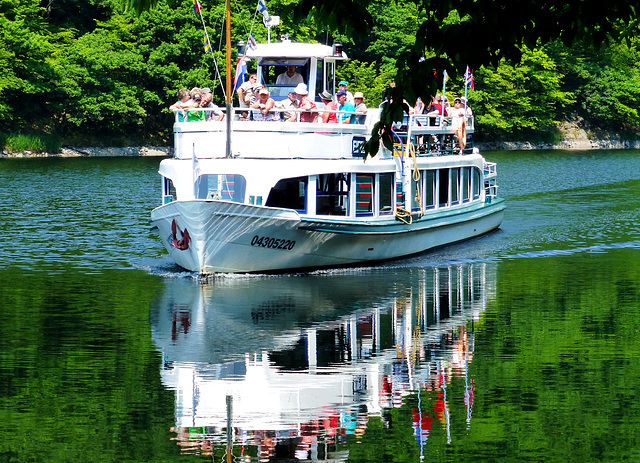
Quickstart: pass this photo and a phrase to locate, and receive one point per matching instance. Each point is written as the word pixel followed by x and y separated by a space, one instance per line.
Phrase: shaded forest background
pixel 85 73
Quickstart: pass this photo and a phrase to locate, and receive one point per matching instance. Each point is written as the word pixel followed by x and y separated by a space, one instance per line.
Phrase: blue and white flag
pixel 262 8
pixel 241 70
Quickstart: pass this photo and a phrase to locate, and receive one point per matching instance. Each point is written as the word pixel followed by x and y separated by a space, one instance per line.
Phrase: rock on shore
pixel 98 152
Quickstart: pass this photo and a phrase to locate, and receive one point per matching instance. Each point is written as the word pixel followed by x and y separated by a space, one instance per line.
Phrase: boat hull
pixel 228 237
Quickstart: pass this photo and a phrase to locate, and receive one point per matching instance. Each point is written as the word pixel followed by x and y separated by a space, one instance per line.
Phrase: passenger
pixel 214 113
pixel 435 109
pixel 419 107
pixel 193 113
pixel 306 104
pixel 342 85
pixel 447 106
pixel 361 108
pixel 458 121
pixel 246 92
pixel 329 116
pixel 348 116
pixel 290 77
pixel 184 102
pixel 263 107
pixel 458 109
pixel 288 105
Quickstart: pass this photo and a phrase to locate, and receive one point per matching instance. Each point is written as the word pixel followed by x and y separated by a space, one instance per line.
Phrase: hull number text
pixel 274 243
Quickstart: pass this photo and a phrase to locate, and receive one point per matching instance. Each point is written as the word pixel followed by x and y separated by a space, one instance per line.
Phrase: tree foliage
pixel 85 70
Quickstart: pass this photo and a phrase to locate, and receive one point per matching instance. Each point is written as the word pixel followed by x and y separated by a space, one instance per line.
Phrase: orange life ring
pixel 182 243
pixel 461 132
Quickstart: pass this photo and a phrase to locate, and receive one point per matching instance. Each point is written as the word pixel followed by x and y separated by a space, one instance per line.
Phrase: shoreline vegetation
pixel 573 138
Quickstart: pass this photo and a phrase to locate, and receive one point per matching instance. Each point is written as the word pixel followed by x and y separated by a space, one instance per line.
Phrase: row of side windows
pixel 354 194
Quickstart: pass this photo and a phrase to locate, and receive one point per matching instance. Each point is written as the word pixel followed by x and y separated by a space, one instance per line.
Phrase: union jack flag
pixel 468 78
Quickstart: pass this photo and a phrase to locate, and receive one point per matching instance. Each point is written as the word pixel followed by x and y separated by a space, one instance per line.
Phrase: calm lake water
pixel 521 345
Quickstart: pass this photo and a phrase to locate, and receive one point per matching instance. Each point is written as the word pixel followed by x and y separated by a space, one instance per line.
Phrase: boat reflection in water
pixel 307 360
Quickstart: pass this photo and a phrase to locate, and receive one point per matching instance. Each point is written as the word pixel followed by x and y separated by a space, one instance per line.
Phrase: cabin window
pixel 416 192
pixel 455 186
pixel 332 194
pixel 466 183
pixel 476 183
pixel 226 187
pixel 169 191
pixel 364 194
pixel 430 188
pixel 289 193
pixel 443 187
pixel 386 183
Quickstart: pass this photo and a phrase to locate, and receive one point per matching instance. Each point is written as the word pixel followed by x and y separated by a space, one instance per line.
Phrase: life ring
pixel 461 132
pixel 182 243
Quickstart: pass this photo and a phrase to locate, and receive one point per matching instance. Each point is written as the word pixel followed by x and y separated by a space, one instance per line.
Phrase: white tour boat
pixel 245 195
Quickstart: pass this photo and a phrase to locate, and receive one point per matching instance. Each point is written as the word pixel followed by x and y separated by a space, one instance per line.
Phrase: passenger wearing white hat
pixel 306 104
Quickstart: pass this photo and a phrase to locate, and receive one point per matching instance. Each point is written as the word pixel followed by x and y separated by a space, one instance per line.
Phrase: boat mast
pixel 228 92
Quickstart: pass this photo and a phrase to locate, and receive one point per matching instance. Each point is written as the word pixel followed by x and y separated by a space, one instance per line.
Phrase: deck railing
pixel 429 135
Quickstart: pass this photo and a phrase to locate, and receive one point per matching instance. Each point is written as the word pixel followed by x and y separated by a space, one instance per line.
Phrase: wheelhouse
pixel 316 63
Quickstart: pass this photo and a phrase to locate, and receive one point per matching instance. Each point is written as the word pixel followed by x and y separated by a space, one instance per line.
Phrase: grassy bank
pixel 20 143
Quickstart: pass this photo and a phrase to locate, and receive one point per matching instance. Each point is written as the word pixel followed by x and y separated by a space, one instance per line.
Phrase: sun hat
pixel 206 90
pixel 343 82
pixel 341 92
pixel 326 96
pixel 457 100
pixel 301 89
pixel 264 90
pixel 358 95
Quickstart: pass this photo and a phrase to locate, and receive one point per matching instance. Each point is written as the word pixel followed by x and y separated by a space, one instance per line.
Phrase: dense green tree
pixel 82 69
pixel 526 97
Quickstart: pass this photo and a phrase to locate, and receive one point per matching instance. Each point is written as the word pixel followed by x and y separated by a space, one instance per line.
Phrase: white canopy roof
pixel 293 50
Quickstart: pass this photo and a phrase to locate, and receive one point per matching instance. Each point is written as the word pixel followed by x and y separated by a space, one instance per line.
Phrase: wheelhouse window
pixel 226 187
pixel 332 194
pixel 289 193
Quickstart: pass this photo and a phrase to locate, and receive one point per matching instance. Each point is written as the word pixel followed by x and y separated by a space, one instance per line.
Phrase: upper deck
pixel 429 135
